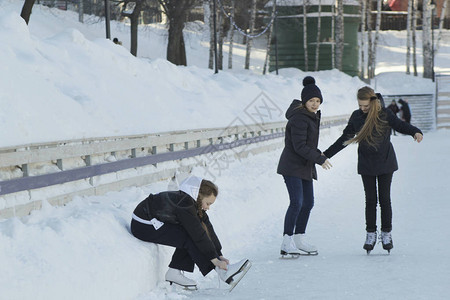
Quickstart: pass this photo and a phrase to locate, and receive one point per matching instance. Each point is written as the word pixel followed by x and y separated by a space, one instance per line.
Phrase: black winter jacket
pixel 371 161
pixel 177 207
pixel 300 153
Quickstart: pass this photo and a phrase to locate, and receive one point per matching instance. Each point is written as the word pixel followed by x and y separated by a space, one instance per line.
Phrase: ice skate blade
pixel 242 271
pixel 311 253
pixel 186 287
pixel 285 255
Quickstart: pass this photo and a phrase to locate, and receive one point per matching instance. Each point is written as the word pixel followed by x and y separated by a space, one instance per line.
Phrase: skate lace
pixel 385 238
pixel 371 237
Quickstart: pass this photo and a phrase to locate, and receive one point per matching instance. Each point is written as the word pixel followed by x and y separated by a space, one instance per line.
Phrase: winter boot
pixel 371 239
pixel 386 241
pixel 288 246
pixel 302 245
pixel 233 269
pixel 176 276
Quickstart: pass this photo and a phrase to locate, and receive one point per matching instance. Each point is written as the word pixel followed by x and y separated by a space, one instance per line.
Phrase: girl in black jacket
pixel 179 219
pixel 371 124
pixel 297 165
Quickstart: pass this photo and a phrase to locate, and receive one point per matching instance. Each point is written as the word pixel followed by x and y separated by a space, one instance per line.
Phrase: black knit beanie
pixel 310 90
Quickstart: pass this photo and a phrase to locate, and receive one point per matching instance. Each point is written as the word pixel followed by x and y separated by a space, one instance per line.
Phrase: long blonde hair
pixel 374 127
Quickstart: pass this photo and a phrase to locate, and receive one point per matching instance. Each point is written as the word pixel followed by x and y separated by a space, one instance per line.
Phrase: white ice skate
pixel 234 273
pixel 288 247
pixel 371 239
pixel 177 277
pixel 303 246
pixel 386 241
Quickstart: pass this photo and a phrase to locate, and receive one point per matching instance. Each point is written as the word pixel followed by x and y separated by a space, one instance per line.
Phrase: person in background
pixel 179 219
pixel 116 41
pixel 405 111
pixel 394 107
pixel 369 126
pixel 297 165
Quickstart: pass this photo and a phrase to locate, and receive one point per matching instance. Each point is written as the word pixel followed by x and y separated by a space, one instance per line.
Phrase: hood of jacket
pixel 295 108
pixel 191 186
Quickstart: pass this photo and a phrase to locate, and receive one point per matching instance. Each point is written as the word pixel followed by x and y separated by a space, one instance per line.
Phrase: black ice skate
pixel 371 239
pixel 386 241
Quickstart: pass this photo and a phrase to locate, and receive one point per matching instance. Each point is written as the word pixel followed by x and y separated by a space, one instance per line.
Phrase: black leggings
pixel 384 198
pixel 186 253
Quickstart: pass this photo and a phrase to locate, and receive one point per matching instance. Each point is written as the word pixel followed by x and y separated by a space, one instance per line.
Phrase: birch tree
pixel 414 26
pixel 305 34
pixel 377 34
pixel 269 35
pixel 319 11
pixel 211 35
pixel 339 34
pixel 369 41
pixel 363 12
pixel 426 40
pixel 408 36
pixel 249 39
pixel 441 23
pixel 231 36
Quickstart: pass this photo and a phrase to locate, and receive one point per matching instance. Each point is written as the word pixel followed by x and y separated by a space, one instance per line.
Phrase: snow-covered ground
pixel 60 79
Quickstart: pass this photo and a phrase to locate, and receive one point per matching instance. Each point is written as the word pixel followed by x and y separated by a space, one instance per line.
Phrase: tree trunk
pixel 333 35
pixel 305 35
pixel 269 36
pixel 176 11
pixel 318 36
pixel 363 12
pixel 408 36
pixel 220 42
pixel 249 39
pixel 369 41
pixel 231 37
pixel 211 36
pixel 426 40
pixel 26 10
pixel 81 11
pixel 339 34
pixel 414 25
pixel 377 34
pixel 441 24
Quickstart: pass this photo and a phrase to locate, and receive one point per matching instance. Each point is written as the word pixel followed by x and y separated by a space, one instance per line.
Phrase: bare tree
pixel 249 39
pixel 369 41
pixel 363 12
pixel 269 36
pixel 339 34
pixel 305 35
pixel 408 36
pixel 318 34
pixel 375 43
pixel 231 36
pixel 26 10
pixel 414 25
pixel 176 12
pixel 426 41
pixel 132 10
pixel 441 24
pixel 211 34
pixel 220 41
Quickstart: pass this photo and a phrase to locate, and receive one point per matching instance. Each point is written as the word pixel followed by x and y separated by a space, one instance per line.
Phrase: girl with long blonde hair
pixel 370 127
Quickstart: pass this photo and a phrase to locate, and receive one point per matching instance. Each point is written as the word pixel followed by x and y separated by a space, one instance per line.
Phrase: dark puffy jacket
pixel 300 153
pixel 373 161
pixel 177 207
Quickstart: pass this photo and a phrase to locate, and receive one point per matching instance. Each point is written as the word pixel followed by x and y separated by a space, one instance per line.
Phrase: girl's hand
pixel 418 137
pixel 326 165
pixel 224 259
pixel 220 263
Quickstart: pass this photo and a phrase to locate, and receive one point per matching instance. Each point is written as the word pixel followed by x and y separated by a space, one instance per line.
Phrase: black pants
pixel 186 253
pixel 384 198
